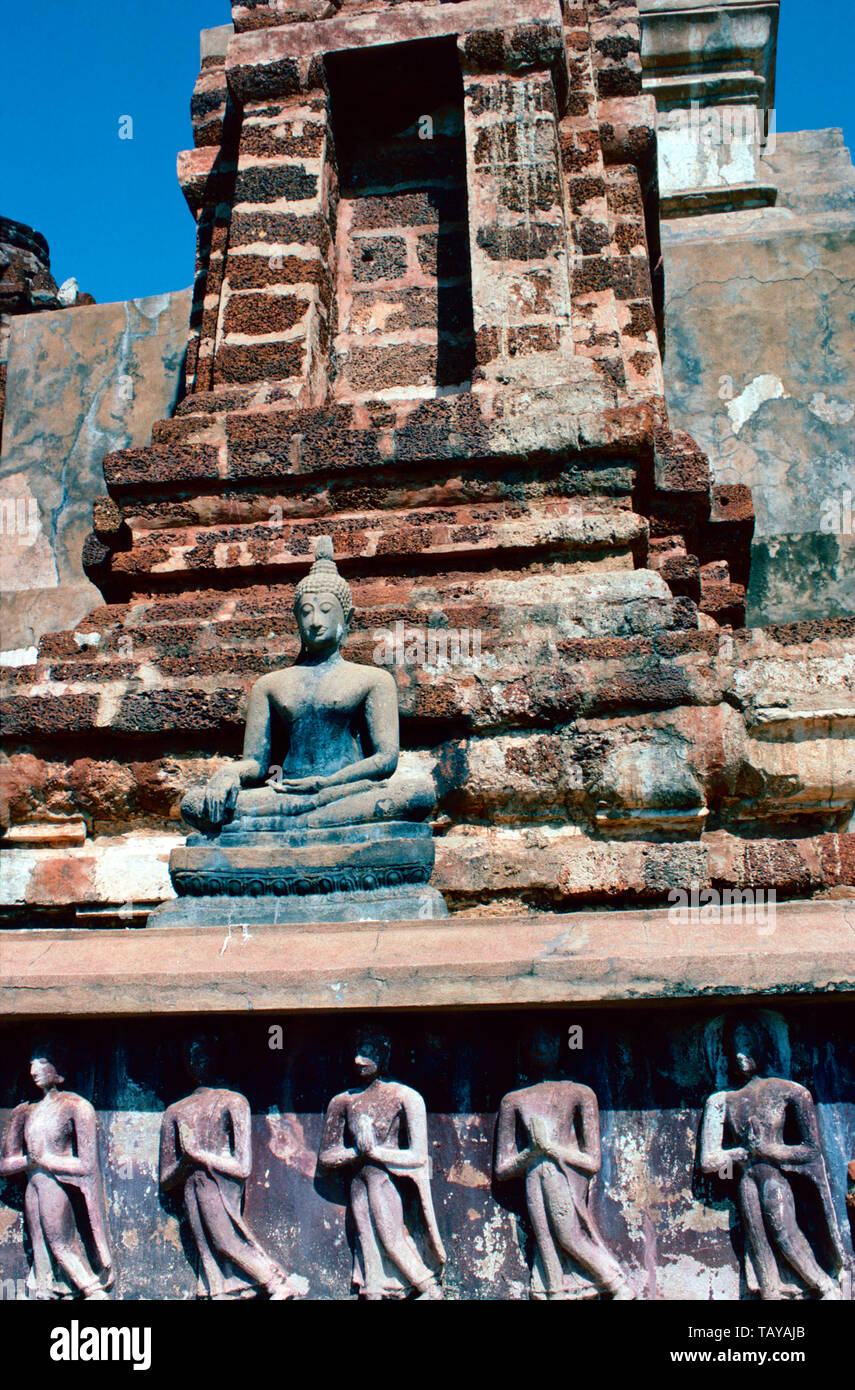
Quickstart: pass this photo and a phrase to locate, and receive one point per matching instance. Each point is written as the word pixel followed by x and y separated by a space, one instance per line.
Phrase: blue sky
pixel 112 210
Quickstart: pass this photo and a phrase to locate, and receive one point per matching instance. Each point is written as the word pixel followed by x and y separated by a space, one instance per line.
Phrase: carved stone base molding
pixel 357 873
pixel 402 903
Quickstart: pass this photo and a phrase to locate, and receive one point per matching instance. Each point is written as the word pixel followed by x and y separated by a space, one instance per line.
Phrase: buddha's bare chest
pixel 304 696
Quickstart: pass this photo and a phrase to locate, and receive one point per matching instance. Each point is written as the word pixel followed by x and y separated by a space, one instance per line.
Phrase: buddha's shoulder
pixel 344 1099
pixel 782 1085
pixel 373 677
pixel 271 679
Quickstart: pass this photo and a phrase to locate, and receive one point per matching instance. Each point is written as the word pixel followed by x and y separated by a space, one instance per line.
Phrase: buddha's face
pixel 44 1073
pixel 321 622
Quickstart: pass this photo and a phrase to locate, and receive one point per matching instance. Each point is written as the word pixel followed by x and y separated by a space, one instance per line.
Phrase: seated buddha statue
pixel 321 744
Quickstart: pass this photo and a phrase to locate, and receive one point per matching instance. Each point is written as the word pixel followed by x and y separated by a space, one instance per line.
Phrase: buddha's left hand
pixel 299 785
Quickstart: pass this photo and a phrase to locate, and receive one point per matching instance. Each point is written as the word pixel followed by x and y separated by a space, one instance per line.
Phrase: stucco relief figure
pixel 330 725
pixel 376 1134
pixel 763 1135
pixel 206 1156
pixel 548 1134
pixel 53 1142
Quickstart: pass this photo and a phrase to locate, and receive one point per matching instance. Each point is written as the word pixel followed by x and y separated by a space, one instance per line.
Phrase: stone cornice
pixel 541 959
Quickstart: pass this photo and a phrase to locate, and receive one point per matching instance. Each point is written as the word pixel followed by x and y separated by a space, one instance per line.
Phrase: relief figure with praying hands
pixel 376 1134
pixel 548 1135
pixel 53 1143
pixel 763 1135
pixel 206 1156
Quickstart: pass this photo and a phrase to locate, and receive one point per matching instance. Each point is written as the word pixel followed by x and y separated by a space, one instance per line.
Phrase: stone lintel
pixel 537 960
pixel 254 58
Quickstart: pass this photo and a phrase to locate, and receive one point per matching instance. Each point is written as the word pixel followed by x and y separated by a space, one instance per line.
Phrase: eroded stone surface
pixel 80 382
pixel 747 295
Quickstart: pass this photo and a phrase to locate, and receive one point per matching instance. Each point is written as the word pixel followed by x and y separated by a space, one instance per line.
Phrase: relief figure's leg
pixel 372 1262
pixel 583 1246
pixel 211 1272
pixel 228 1243
pixel 762 1254
pixel 780 1208
pixel 536 1198
pixel 42 1275
pixel 387 1214
pixel 63 1238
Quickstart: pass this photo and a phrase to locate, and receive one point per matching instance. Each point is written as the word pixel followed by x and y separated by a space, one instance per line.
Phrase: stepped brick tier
pixel 428 323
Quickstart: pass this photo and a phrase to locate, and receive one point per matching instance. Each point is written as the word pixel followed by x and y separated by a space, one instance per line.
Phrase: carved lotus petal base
pixel 304 863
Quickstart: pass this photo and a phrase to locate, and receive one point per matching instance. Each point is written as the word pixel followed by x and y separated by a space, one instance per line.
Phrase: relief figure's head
pixel 323 604
pixel 750 1045
pixel 200 1057
pixel 46 1066
pixel 540 1050
pixel 371 1051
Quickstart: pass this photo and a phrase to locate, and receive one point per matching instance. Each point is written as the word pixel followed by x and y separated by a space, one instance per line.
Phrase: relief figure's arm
pixel 83 1164
pixel 510 1162
pixel 238 1163
pixel 714 1156
pixel 172 1167
pixel 334 1153
pixel 13 1159
pixel 586 1155
pixel 808 1149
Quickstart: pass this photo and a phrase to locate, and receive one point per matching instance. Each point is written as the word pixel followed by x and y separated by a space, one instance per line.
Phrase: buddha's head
pixel 370 1054
pixel 46 1066
pixel 323 604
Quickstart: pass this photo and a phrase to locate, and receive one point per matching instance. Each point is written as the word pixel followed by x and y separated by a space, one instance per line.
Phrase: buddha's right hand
pixel 221 795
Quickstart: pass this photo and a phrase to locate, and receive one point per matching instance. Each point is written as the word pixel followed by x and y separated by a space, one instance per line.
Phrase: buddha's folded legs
pixel 406 795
